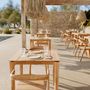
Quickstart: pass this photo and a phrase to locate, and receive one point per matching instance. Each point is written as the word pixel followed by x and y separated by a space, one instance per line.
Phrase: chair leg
pixel 68 44
pixel 53 75
pixel 48 84
pixel 82 54
pixel 76 51
pixel 89 52
pixel 46 68
pixel 45 84
pixel 30 69
pixel 79 52
pixel 12 84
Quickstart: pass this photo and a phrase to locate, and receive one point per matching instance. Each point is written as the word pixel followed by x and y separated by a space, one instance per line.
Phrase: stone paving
pixel 7 49
pixel 73 75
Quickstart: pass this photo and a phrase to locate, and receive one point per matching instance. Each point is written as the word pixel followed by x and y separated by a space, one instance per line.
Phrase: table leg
pixel 56 75
pixel 31 44
pixel 49 45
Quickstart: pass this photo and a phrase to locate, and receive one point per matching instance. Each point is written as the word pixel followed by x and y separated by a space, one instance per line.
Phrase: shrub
pixel 27 31
pixel 18 31
pixel 7 31
pixel 1 31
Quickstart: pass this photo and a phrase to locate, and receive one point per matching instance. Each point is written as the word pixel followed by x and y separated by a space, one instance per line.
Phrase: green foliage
pixel 69 7
pixel 1 31
pixel 7 31
pixel 14 17
pixel 54 9
pixel 66 7
pixel 2 22
pixel 7 11
pixel 10 15
pixel 18 31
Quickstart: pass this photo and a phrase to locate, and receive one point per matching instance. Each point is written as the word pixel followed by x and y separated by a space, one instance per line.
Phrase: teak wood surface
pixel 17 59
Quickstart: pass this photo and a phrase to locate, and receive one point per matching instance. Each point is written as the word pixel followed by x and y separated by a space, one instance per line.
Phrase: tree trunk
pixel 23 24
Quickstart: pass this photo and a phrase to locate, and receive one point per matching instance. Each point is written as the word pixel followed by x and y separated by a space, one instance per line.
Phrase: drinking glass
pixel 46 51
pixel 23 52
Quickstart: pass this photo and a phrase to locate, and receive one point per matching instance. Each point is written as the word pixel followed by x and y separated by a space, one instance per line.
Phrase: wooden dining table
pixel 54 61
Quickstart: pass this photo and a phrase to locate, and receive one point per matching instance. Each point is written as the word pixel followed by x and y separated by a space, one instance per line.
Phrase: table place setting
pixel 41 54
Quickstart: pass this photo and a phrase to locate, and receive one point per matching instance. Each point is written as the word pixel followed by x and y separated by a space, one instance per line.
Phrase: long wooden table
pixel 17 59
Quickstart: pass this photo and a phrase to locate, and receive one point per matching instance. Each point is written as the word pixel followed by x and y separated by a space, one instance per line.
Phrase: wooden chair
pixel 38 48
pixel 82 47
pixel 25 77
pixel 85 48
pixel 40 43
pixel 68 38
pixel 79 43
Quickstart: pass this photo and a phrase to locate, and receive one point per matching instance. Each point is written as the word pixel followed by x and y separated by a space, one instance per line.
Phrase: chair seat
pixel 36 48
pixel 41 42
pixel 29 77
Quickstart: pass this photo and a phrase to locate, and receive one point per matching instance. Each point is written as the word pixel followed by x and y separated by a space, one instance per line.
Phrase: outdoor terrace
pixel 73 74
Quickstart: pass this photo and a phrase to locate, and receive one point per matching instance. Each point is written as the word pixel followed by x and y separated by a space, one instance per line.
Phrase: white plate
pixel 34 56
pixel 37 52
pixel 48 57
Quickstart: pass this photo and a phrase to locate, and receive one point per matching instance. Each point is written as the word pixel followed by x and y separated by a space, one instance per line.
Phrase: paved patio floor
pixel 73 75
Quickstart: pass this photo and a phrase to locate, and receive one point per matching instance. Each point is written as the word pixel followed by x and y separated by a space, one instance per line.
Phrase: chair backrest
pixel 43 35
pixel 44 42
pixel 84 41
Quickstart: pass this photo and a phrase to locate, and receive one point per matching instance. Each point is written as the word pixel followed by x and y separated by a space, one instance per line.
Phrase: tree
pixel 7 11
pixel 10 15
pixel 2 22
pixel 54 9
pixel 14 18
pixel 69 7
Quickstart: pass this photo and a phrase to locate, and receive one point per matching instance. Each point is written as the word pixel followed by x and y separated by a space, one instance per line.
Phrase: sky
pixel 4 2
pixel 18 2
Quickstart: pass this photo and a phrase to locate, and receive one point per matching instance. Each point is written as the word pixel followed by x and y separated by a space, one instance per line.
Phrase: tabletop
pixel 53 57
